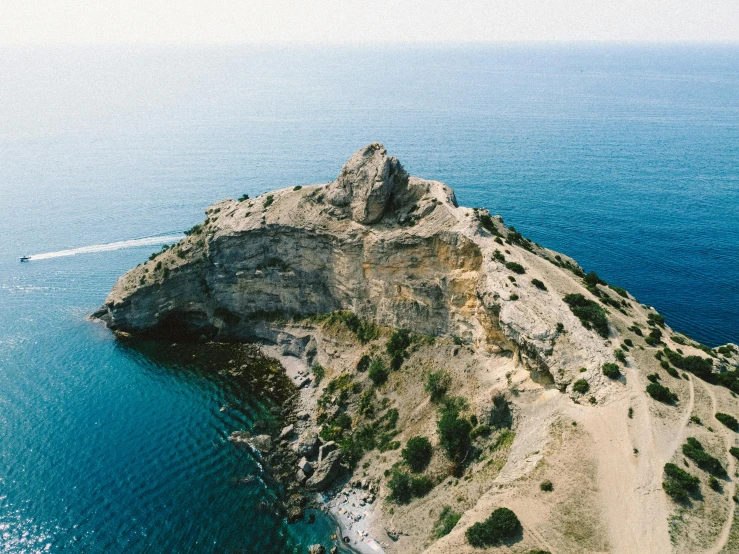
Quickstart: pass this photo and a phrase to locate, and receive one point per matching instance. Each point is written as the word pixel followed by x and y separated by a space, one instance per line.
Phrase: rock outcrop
pixel 395 250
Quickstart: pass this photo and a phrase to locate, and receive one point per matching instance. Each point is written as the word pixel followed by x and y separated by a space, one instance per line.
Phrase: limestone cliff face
pixel 394 249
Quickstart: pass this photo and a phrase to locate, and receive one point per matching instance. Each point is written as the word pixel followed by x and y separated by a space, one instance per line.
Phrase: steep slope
pixel 326 273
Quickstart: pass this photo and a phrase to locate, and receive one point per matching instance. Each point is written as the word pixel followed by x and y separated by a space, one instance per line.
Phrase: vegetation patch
pixel 437 384
pixel 268 201
pixel 446 521
pixel 378 372
pixel 403 487
pixel 516 267
pixel 693 449
pixel 728 420
pixel 538 284
pixel 581 386
pixel 611 371
pixel 417 453
pixel 502 526
pixel 365 331
pixel 454 430
pixel 678 483
pixel 590 314
pixel 661 393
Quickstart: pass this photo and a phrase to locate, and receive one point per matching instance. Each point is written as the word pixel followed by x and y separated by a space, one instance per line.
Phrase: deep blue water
pixel 626 158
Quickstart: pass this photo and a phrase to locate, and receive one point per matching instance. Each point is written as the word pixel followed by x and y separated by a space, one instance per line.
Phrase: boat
pixel 25 258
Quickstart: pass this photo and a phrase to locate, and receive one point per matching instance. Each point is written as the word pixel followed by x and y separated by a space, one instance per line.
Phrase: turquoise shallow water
pixel 626 158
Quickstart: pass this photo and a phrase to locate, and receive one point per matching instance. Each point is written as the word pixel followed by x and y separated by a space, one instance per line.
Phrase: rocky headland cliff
pixel 448 367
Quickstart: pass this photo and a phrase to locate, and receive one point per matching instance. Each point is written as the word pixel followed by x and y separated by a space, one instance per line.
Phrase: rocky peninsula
pixel 448 367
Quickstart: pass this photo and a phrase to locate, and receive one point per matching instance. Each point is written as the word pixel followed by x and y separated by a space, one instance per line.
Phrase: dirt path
pixel 678 440
pixel 723 538
pixel 634 507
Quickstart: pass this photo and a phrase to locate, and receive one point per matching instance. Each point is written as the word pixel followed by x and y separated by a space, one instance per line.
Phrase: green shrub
pixel 318 372
pixel 653 377
pixel 501 526
pixel 611 371
pixel 366 406
pixel 454 431
pixel 678 483
pixel 714 484
pixel 297 187
pixel 678 339
pixel 661 393
pixel 481 431
pixel 701 367
pixel 590 314
pixel 437 384
pixel 398 342
pixel 364 363
pixel 194 230
pixel 656 319
pixel 581 386
pixel 629 343
pixel 378 372
pixel 546 486
pixel 620 355
pixel 728 420
pixel 695 419
pixel 446 522
pixel 498 256
pixel 400 484
pixel 619 291
pixel 513 297
pixel 489 225
pixel 734 451
pixel 417 453
pixel 516 268
pixel 693 449
pixel 421 486
pixel 268 201
pixel 634 329
pixel 538 284
pixel 592 279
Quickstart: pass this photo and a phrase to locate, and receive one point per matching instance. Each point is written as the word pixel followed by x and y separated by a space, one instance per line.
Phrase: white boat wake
pixel 147 241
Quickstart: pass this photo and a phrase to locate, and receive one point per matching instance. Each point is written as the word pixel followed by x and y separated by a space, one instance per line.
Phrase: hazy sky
pixel 340 21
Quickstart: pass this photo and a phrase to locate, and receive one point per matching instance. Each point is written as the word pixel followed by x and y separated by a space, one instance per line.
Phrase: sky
pixel 51 22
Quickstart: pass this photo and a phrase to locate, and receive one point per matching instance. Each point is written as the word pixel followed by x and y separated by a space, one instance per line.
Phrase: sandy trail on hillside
pixel 723 538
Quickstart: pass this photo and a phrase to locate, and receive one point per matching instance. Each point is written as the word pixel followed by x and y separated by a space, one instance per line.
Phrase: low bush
pixel 697 365
pixel 297 187
pixel 728 420
pixel 619 291
pixel 656 319
pixel 498 256
pixel 714 484
pixel 417 453
pixel 513 297
pixel 629 343
pixel 421 486
pixel 319 372
pixel 446 522
pixel 620 355
pixel 693 449
pixel 454 431
pixel 378 372
pixel 590 314
pixel 592 279
pixel 481 431
pixel 661 393
pixel 501 526
pixel 489 225
pixel 678 483
pixel 364 363
pixel 611 371
pixel 581 386
pixel 734 451
pixel 437 384
pixel 653 378
pixel 400 484
pixel 194 230
pixel 366 406
pixel 634 329
pixel 678 339
pixel 538 284
pixel 546 486
pixel 516 268
pixel 399 341
pixel 268 201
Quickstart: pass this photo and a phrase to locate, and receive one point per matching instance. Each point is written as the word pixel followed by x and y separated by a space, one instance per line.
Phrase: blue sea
pixel 623 157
